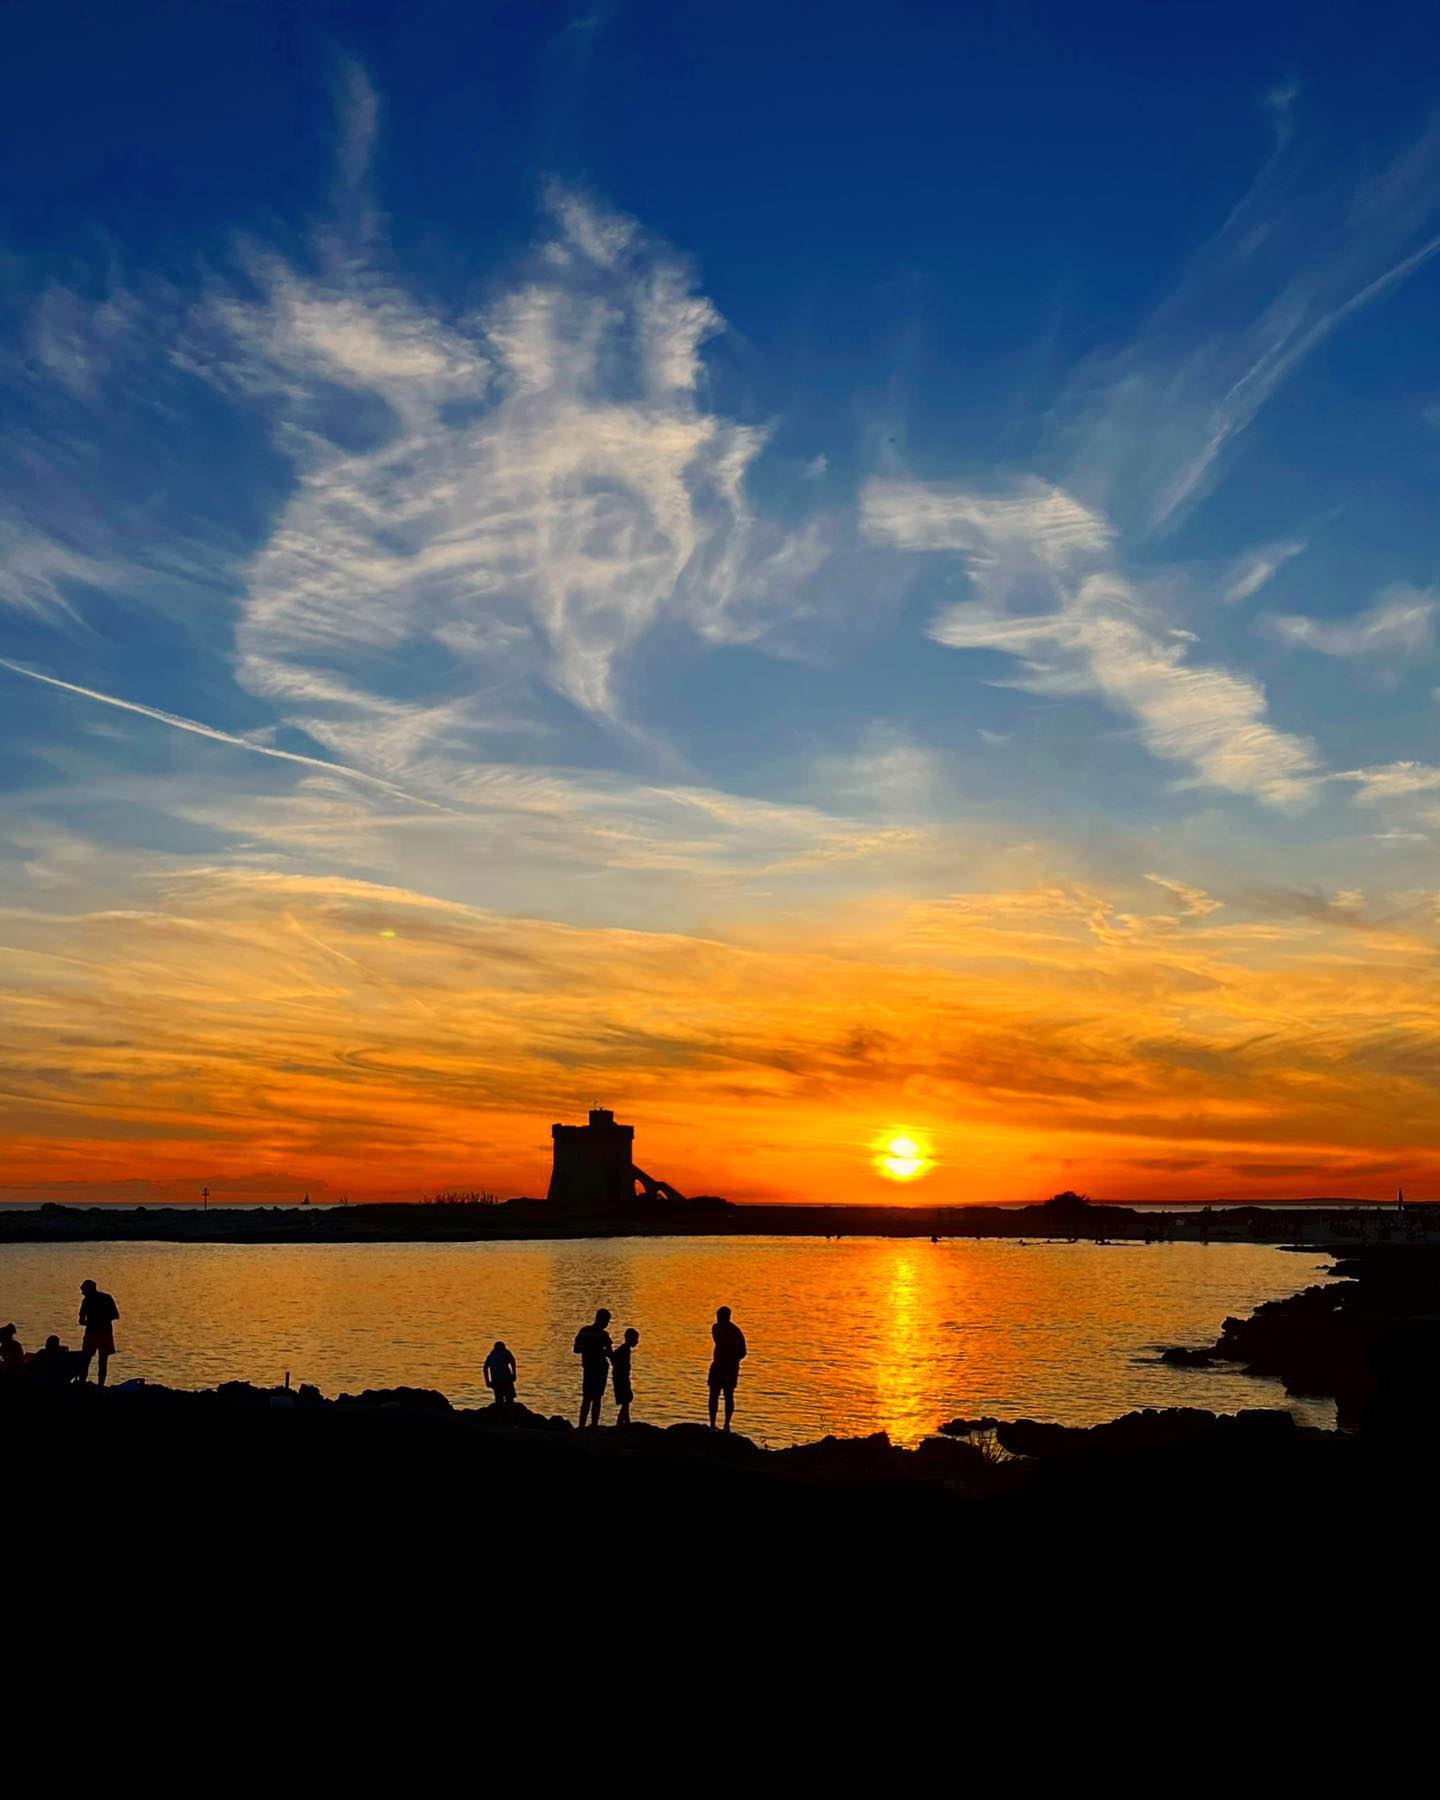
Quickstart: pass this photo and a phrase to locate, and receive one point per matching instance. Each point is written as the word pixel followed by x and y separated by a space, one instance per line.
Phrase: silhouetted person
pixel 620 1363
pixel 98 1313
pixel 54 1366
pixel 500 1375
pixel 592 1346
pixel 12 1354
pixel 730 1351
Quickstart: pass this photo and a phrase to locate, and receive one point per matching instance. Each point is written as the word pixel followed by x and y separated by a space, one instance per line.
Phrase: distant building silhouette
pixel 595 1165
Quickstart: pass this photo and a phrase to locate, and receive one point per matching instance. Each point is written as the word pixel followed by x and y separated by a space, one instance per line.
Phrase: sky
pixel 811 575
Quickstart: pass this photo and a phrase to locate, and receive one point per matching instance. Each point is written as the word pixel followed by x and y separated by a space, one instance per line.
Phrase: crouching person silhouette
pixel 500 1375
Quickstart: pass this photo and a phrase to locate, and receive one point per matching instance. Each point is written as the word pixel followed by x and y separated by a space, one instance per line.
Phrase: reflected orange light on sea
pixel 911 1319
pixel 851 1336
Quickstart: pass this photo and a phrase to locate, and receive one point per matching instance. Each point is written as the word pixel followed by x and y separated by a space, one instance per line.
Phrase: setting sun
pixel 902 1158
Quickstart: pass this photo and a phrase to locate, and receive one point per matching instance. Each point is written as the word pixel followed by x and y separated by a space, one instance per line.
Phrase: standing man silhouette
pixel 592 1346
pixel 730 1352
pixel 98 1313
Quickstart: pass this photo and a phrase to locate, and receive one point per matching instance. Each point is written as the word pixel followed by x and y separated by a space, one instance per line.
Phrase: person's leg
pixel 714 1402
pixel 84 1374
pixel 729 1406
pixel 101 1365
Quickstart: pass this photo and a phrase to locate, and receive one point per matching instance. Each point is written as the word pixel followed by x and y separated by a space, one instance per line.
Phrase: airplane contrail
pixel 180 723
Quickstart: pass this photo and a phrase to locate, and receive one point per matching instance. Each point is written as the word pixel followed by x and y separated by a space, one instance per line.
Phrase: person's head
pixel 52 1342
pixel 87 1287
pixel 632 1336
pixel 602 1315
pixel 722 1313
pixel 499 1345
pixel 6 1333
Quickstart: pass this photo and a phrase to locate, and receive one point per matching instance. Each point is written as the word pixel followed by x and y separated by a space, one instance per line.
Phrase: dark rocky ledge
pixel 373 1487
pixel 1369 1338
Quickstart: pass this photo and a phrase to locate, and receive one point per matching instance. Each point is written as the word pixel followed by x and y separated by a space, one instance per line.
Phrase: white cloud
pixel 888 775
pixel 76 342
pixel 1391 781
pixel 542 485
pixel 1036 529
pixel 1252 572
pixel 1145 428
pixel 1399 624
pixel 1098 632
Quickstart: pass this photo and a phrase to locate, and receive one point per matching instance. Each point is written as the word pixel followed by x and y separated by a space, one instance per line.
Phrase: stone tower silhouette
pixel 594 1163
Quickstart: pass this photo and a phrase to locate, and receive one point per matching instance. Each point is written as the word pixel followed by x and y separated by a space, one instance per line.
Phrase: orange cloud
pixel 260 1029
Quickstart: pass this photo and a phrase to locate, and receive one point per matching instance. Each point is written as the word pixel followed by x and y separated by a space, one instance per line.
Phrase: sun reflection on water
pixel 900 1384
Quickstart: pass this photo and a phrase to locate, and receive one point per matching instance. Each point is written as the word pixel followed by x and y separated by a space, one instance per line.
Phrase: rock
pixel 517 1418
pixel 731 1444
pixel 408 1398
pixel 968 1427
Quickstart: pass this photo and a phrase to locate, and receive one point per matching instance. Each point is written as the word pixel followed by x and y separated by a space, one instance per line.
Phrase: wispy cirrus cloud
pixel 522 492
pixel 1050 593
pixel 1255 570
pixel 1144 429
pixel 1391 781
pixel 1064 573
pixel 1400 624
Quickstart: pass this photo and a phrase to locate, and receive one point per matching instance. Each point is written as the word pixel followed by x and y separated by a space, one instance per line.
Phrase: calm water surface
pixel 854 1336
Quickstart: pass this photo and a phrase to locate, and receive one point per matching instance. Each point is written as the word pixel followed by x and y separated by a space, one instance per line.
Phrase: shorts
pixel 722 1378
pixel 593 1383
pixel 98 1337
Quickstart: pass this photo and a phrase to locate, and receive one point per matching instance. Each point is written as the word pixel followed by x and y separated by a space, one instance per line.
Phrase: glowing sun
pixel 901 1158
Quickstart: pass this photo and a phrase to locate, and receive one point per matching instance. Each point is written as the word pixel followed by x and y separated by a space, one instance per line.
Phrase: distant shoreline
pixel 1340 1224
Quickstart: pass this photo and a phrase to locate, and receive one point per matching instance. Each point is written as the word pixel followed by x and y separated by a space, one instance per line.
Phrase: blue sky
pixel 717 471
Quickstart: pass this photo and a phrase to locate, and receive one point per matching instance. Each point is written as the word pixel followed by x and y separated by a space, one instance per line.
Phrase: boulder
pixel 407 1398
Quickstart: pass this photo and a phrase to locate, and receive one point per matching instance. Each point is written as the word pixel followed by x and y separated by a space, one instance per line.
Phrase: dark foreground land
pixel 389 1593
pixel 240 1469
pixel 1314 1223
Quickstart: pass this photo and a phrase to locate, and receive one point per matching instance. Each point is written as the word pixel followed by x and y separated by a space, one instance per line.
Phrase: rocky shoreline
pixel 1370 1338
